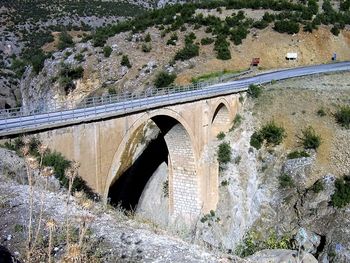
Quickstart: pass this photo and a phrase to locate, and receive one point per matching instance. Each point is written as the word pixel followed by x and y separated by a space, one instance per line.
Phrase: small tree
pixel 164 79
pixel 125 61
pixel 335 30
pixel 341 196
pixel 224 153
pixel 285 181
pixel 107 51
pixel 148 38
pixel 272 133
pixel 256 140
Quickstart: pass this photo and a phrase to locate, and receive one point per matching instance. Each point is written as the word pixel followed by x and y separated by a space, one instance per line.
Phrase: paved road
pixel 17 125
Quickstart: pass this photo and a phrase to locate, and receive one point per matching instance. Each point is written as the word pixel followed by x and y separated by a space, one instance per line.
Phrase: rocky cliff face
pixel 255 212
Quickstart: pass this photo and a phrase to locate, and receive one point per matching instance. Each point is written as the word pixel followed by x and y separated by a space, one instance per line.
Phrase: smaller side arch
pixel 221 117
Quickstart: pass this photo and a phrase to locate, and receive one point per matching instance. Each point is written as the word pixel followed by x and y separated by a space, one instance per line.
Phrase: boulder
pixel 281 256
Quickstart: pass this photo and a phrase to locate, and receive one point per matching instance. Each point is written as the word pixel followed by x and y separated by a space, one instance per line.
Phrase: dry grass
pixel 294 104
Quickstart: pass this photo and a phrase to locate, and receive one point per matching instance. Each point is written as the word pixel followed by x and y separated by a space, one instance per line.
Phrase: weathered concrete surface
pixel 107 148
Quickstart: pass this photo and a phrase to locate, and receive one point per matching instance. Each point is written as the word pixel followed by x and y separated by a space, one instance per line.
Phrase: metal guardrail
pixel 103 100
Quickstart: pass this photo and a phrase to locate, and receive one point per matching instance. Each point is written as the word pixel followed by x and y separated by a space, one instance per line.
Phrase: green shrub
pixel 297 154
pixel 256 140
pixel 18 66
pixel 341 196
pixel 210 218
pixel 254 91
pixel 14 145
pixel 164 79
pixel 342 116
pixel 125 61
pixel 207 41
pixel 65 40
pixel 146 47
pixel 272 133
pixel 261 24
pixel 172 40
pixel 107 51
pixel 285 181
pixel 286 26
pixel 220 136
pixel 224 153
pixel 79 57
pixel 60 164
pixel 225 183
pixel 148 38
pixel 221 46
pixel 317 187
pixel 236 122
pixel 189 38
pixel 252 244
pixel 67 74
pixel 309 139
pixel 112 91
pixel 37 60
pixel 321 112
pixel 238 34
pixel 335 30
pixel 189 51
pixel 72 73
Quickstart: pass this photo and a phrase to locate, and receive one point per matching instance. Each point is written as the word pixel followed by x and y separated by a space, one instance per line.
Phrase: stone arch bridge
pixel 107 148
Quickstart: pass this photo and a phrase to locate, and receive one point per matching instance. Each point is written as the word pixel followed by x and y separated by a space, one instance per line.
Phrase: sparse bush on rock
pixel 285 181
pixel 254 91
pixel 164 79
pixel 125 61
pixel 342 116
pixel 220 136
pixel 341 196
pixel 65 40
pixel 224 154
pixel 107 51
pixel 309 138
pixel 271 132
pixel 297 154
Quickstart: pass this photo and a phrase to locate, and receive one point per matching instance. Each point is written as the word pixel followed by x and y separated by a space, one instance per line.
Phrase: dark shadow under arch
pixel 127 189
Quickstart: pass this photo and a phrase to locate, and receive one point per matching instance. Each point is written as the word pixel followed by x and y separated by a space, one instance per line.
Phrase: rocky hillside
pixel 201 40
pixel 27 28
pixel 286 196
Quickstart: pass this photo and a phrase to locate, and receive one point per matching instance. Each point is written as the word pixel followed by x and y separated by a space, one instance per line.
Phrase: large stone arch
pixel 184 184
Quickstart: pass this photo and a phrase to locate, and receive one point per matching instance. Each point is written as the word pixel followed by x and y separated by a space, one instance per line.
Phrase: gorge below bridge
pixel 120 143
